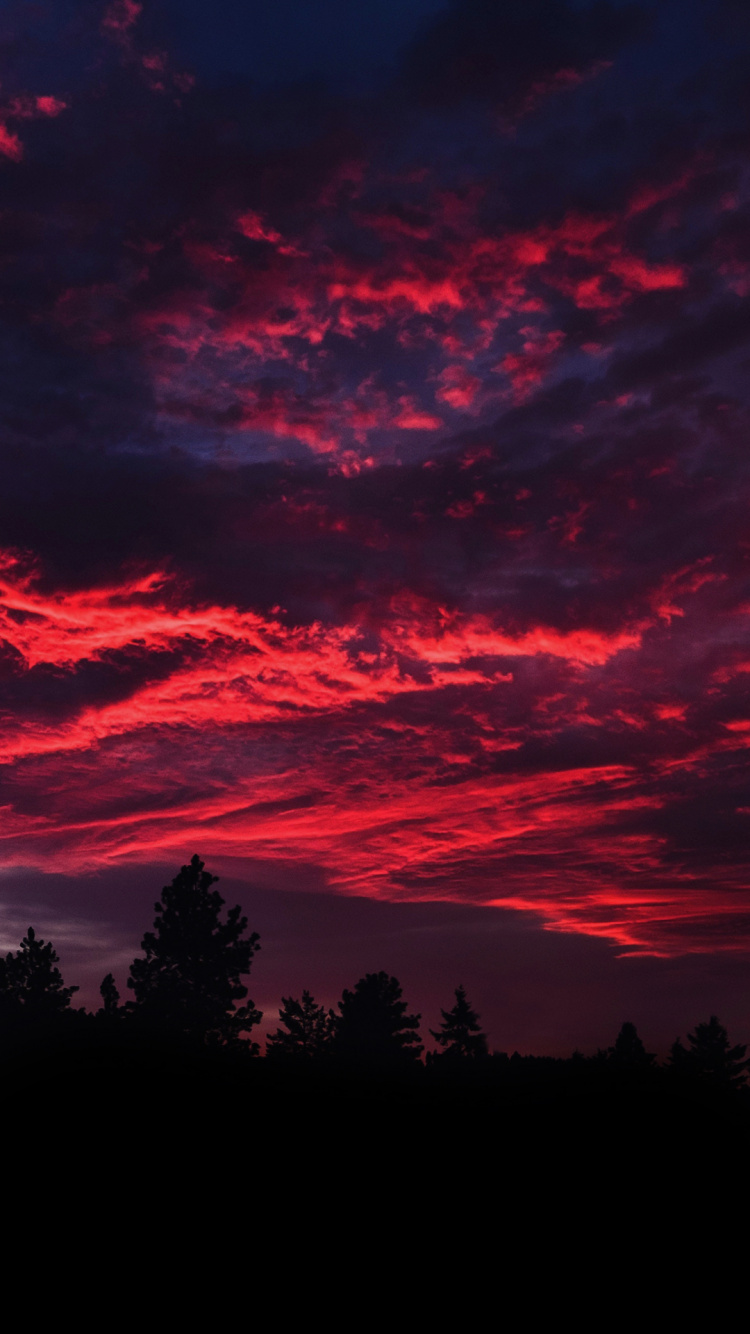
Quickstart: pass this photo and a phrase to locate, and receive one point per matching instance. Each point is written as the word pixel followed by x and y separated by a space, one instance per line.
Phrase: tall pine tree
pixel 189 981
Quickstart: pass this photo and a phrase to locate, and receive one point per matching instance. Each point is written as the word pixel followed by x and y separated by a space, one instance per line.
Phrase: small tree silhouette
pixel 31 985
pixel 110 996
pixel 189 981
pixel 309 1029
pixel 460 1034
pixel 373 1026
pixel 629 1052
pixel 711 1056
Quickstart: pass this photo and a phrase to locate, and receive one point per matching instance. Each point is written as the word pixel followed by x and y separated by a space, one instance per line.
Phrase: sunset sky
pixel 374 505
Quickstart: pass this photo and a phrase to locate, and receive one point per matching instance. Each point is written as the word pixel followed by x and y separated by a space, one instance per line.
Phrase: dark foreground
pixel 450 1135
pixel 359 1195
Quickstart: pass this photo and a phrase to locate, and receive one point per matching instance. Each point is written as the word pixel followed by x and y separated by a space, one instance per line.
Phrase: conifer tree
pixel 373 1026
pixel 190 978
pixel 309 1029
pixel 711 1056
pixel 460 1034
pixel 31 985
pixel 629 1052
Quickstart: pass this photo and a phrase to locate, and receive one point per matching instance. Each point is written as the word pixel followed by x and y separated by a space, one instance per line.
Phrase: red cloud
pixel 24 107
pixel 10 144
pixel 120 17
pixel 412 418
pixel 527 368
pixel 118 24
pixel 442 282
pixel 458 387
pixel 251 669
pixel 275 727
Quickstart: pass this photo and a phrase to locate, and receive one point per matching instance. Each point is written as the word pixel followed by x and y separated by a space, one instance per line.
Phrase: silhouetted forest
pixel 358 1085
pixel 186 993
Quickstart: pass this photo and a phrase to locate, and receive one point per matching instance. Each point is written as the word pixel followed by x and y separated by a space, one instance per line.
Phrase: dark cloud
pixel 718 331
pixel 509 52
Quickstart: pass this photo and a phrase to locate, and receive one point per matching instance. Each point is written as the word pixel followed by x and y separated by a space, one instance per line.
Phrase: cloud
pixel 512 55
pixel 120 18
pixel 374 472
pixel 10 144
pixel 20 108
pixel 478 730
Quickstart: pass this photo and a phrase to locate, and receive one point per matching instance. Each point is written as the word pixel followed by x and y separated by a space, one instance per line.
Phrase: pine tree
pixel 309 1029
pixel 629 1052
pixel 190 978
pixel 31 985
pixel 711 1056
pixel 373 1027
pixel 460 1034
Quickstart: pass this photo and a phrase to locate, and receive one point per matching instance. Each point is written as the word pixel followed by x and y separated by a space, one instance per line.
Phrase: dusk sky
pixel 374 505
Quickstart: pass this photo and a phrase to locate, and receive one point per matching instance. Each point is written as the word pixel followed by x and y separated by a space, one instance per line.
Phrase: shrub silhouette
pixel 190 978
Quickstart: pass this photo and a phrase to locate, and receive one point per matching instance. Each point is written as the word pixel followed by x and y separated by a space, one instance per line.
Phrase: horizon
pixel 531 995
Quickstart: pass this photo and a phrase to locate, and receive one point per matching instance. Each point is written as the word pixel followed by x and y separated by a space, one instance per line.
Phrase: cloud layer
pixel 374 471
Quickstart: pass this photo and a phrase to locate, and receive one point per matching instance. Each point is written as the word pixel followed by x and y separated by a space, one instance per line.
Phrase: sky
pixel 373 517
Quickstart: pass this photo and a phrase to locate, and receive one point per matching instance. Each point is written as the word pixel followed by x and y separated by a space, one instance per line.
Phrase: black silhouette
pixel 629 1052
pixel 460 1034
pixel 110 996
pixel 309 1029
pixel 373 1026
pixel 189 981
pixel 711 1056
pixel 31 985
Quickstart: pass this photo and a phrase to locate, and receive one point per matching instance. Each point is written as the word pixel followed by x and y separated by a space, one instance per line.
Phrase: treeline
pixel 187 994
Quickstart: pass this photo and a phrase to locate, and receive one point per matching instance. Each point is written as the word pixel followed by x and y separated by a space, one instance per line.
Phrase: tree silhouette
pixel 309 1029
pixel 460 1034
pixel 711 1056
pixel 110 996
pixel 373 1026
pixel 31 984
pixel 189 981
pixel 629 1052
